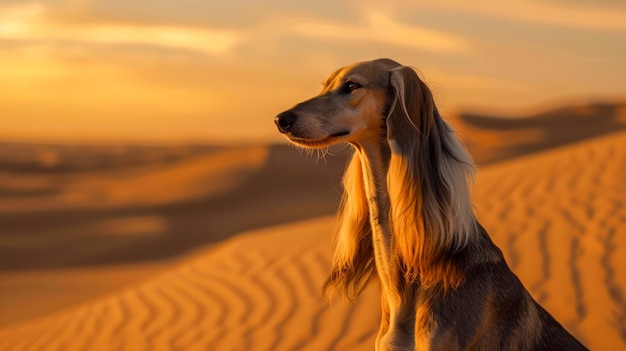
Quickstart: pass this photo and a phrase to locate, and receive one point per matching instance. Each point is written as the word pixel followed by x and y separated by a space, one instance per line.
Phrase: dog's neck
pixel 399 307
pixel 375 163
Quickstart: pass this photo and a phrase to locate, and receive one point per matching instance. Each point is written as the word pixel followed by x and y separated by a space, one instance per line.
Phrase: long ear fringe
pixel 428 182
pixel 353 264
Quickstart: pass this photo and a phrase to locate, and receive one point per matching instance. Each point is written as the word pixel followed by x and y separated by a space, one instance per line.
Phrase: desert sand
pixel 559 216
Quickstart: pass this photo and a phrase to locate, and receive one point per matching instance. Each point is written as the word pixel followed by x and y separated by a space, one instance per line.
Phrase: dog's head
pixel 351 107
pixel 385 110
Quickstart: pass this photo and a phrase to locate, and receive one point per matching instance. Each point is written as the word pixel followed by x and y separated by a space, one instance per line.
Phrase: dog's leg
pixel 400 334
pixel 397 325
pixel 384 322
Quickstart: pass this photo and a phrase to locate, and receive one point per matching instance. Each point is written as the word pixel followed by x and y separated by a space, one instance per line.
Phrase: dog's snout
pixel 284 121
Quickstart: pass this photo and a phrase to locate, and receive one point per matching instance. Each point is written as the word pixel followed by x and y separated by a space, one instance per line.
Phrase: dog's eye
pixel 350 86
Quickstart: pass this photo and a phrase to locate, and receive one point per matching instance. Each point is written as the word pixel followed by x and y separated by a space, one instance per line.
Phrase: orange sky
pixel 215 71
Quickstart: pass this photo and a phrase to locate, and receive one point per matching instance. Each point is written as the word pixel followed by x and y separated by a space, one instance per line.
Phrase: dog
pixel 406 219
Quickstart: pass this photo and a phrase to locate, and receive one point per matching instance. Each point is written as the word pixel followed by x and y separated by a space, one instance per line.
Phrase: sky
pixel 219 71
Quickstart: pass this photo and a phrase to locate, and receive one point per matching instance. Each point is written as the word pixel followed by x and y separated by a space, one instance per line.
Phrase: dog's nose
pixel 284 121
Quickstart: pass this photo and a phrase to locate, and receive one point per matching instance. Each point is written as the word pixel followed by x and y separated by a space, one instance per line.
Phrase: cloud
pixel 382 28
pixel 566 15
pixel 32 22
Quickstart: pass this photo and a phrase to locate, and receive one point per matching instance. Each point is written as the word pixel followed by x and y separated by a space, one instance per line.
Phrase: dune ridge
pixel 494 138
pixel 559 217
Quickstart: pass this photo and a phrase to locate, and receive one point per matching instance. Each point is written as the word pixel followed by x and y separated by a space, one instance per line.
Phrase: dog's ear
pixel 428 178
pixel 353 265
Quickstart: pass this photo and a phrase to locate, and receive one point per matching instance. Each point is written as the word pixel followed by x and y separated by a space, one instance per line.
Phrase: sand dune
pixel 152 184
pixel 259 291
pixel 493 138
pixel 78 215
pixel 559 217
pixel 25 295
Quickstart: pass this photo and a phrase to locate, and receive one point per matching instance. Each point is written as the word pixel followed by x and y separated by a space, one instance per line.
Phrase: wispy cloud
pixel 31 21
pixel 539 12
pixel 383 28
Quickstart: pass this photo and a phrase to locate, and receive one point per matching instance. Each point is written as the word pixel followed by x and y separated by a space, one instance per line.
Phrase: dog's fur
pixel 406 219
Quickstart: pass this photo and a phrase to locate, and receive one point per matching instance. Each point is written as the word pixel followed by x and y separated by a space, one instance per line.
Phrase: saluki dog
pixel 406 219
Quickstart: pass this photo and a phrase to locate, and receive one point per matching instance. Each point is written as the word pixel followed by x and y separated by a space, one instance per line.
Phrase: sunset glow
pixel 215 72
